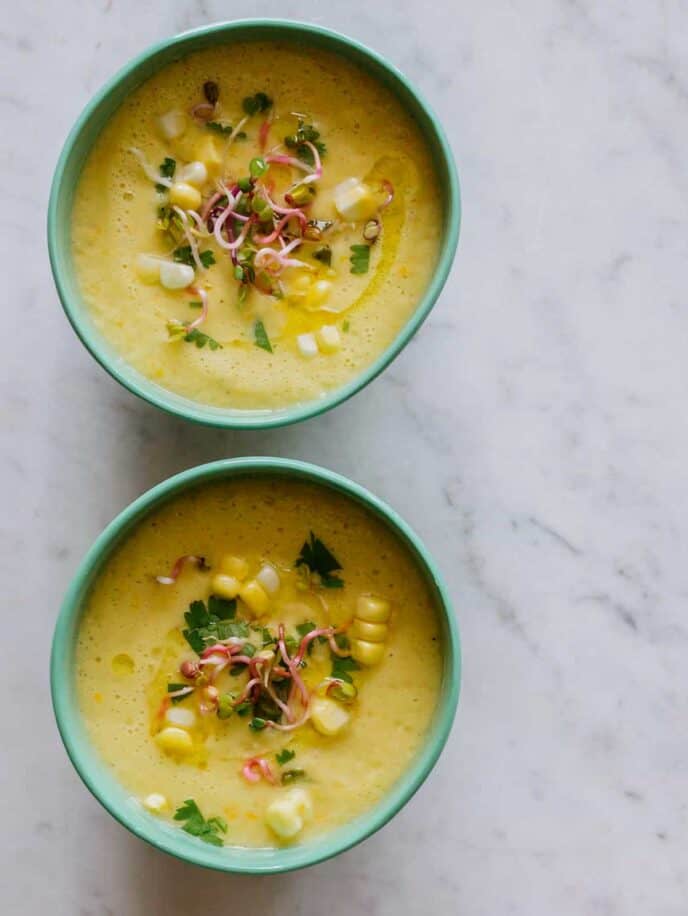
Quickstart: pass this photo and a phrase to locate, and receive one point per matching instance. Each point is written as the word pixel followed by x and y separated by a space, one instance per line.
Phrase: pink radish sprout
pixel 256 767
pixel 203 296
pixel 177 568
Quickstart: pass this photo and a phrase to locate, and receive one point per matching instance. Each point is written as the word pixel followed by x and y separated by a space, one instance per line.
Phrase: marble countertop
pixel 534 434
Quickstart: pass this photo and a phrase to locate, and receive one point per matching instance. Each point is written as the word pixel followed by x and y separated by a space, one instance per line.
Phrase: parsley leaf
pixel 172 688
pixel 323 254
pixel 256 103
pixel 360 259
pixel 167 169
pixel 303 629
pixel 205 625
pixel 261 337
pixel 284 756
pixel 207 830
pixel 183 255
pixel 342 666
pixel 320 560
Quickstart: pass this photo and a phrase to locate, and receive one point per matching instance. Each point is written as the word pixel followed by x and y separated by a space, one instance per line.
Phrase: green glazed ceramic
pixel 99 111
pixel 97 776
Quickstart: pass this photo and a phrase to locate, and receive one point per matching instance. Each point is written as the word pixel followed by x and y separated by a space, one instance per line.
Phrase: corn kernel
pixel 184 195
pixel 269 578
pixel 155 802
pixel 371 632
pixel 225 586
pixel 367 653
pixel 286 815
pixel 194 173
pixel 329 338
pixel 234 566
pixel 307 344
pixel 255 597
pixel 174 741
pixel 372 610
pixel 175 276
pixel 327 716
pixel 354 201
pixel 319 292
pixel 172 124
pixel 207 152
pixel 184 718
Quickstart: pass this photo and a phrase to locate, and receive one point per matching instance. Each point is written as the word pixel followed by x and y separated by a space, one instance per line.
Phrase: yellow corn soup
pixel 286 587
pixel 331 184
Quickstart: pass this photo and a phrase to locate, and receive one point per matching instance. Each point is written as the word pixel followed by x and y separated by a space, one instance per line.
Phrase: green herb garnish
pixel 303 629
pixel 173 688
pixel 212 623
pixel 256 103
pixel 257 724
pixel 320 560
pixel 195 305
pixel 291 776
pixel 167 170
pixel 346 325
pixel 225 706
pixel 218 128
pixel 201 339
pixel 284 756
pixel 323 254
pixel 297 141
pixel 360 259
pixel 261 338
pixel 342 666
pixel 207 830
pixel 184 255
pixel 243 708
pixel 257 167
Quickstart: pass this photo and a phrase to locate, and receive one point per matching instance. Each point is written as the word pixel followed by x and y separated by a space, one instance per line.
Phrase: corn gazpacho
pixel 259 661
pixel 255 224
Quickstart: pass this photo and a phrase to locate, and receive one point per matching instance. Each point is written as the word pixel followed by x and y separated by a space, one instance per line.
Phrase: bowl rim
pixel 229 418
pixel 99 781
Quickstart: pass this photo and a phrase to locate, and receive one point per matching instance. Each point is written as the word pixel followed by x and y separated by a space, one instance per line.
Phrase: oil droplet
pixel 123 664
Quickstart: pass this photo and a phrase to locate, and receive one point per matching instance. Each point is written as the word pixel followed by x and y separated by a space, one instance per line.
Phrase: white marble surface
pixel 534 433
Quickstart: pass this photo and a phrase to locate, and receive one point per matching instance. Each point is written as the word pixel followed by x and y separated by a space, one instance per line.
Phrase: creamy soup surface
pixel 297 705
pixel 295 225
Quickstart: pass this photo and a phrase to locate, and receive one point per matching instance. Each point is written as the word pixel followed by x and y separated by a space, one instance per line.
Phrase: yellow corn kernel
pixel 155 803
pixel 286 815
pixel 254 597
pixel 372 610
pixel 208 152
pixel 174 741
pixel 327 716
pixel 184 195
pixel 234 566
pixel 318 292
pixel 371 632
pixel 172 124
pixel 225 586
pixel 354 200
pixel 329 338
pixel 367 653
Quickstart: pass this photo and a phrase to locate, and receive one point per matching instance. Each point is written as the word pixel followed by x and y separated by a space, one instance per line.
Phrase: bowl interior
pixel 99 111
pixel 115 798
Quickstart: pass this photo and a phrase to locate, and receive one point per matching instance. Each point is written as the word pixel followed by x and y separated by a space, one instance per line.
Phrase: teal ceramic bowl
pixel 99 111
pixel 97 776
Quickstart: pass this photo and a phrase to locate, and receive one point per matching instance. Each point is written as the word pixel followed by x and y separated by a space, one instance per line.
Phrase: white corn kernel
pixel 177 715
pixel 329 338
pixel 184 195
pixel 372 632
pixel 172 124
pixel 174 740
pixel 208 152
pixel 373 610
pixel 286 815
pixel 175 276
pixel 269 578
pixel 354 201
pixel 225 586
pixel 367 653
pixel 155 802
pixel 327 716
pixel 194 173
pixel 308 345
pixel 148 268
pixel 254 597
pixel 234 566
